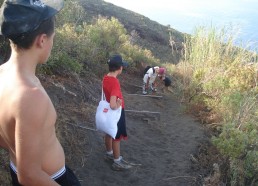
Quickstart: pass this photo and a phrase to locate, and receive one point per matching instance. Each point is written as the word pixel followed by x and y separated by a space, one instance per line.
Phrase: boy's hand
pixel 118 102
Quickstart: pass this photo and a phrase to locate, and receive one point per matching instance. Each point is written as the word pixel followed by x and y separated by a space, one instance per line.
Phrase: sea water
pixel 238 15
pixel 185 15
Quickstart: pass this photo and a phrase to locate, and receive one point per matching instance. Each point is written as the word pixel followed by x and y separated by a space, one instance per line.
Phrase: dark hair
pixel 113 68
pixel 25 40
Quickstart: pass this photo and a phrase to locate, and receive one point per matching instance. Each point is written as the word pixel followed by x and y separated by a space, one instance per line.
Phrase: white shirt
pixel 150 74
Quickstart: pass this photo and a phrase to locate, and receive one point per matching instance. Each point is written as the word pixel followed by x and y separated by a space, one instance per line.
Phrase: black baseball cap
pixel 117 61
pixel 24 16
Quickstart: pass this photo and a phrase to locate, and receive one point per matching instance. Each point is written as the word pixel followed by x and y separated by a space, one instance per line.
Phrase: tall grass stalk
pixel 223 77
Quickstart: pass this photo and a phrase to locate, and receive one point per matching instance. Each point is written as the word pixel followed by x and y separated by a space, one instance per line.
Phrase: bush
pixel 220 75
pixel 64 58
pixel 105 38
pixel 72 13
pixel 241 147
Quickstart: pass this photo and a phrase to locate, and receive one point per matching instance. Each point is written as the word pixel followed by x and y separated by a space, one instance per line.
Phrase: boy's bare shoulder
pixel 27 94
pixel 21 95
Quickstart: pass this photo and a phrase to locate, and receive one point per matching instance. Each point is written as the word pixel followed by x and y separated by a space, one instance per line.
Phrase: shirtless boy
pixel 27 117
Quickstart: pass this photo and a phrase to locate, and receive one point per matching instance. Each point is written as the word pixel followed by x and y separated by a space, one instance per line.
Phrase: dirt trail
pixel 162 144
pixel 162 141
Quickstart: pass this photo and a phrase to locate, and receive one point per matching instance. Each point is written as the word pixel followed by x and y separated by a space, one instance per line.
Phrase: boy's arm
pixel 32 112
pixel 158 82
pixel 115 102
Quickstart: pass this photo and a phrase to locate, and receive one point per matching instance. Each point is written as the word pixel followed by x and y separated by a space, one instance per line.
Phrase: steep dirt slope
pixel 161 143
pixel 164 145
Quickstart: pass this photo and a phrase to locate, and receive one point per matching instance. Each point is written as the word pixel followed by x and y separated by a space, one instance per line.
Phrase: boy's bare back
pixel 27 120
pixel 28 117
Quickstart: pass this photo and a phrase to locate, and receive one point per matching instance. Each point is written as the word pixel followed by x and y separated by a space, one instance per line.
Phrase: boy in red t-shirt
pixel 113 94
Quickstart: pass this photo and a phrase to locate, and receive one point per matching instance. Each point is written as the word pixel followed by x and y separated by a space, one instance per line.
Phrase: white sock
pixel 118 159
pixel 110 152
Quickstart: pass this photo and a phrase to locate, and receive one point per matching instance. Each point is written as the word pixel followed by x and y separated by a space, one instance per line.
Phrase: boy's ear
pixel 41 40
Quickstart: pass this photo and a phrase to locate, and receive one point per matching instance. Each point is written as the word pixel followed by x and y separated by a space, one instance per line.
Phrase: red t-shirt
pixel 111 87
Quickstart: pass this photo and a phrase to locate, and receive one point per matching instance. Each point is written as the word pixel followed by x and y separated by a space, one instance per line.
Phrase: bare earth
pixel 163 145
pixel 160 144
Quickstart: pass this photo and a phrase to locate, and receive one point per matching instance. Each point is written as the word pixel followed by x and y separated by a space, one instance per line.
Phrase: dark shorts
pixel 121 132
pixel 167 81
pixel 67 179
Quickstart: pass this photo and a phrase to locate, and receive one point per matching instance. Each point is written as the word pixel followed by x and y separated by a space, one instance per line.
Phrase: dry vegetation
pixel 216 81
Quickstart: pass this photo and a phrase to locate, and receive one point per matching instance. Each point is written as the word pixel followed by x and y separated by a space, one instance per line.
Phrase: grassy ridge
pixel 152 35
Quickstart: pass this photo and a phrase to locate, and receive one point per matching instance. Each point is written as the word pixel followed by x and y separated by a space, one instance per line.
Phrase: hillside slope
pixel 167 146
pixel 150 34
pixel 163 147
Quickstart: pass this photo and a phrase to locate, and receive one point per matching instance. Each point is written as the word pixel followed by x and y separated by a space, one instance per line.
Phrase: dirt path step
pixel 163 146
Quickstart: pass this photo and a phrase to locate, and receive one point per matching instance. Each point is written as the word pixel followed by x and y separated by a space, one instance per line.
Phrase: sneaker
pixel 121 165
pixel 144 92
pixel 153 89
pixel 109 157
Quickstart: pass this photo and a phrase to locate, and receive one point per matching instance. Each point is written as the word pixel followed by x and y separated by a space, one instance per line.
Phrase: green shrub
pixel 105 38
pixel 64 57
pixel 137 54
pixel 218 74
pixel 241 147
pixel 72 13
pixel 82 46
pixel 61 63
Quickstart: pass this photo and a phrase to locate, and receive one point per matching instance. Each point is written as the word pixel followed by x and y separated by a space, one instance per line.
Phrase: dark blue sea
pixel 238 16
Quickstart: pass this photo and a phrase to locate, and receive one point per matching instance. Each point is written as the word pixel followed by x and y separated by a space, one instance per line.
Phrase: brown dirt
pixel 172 148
